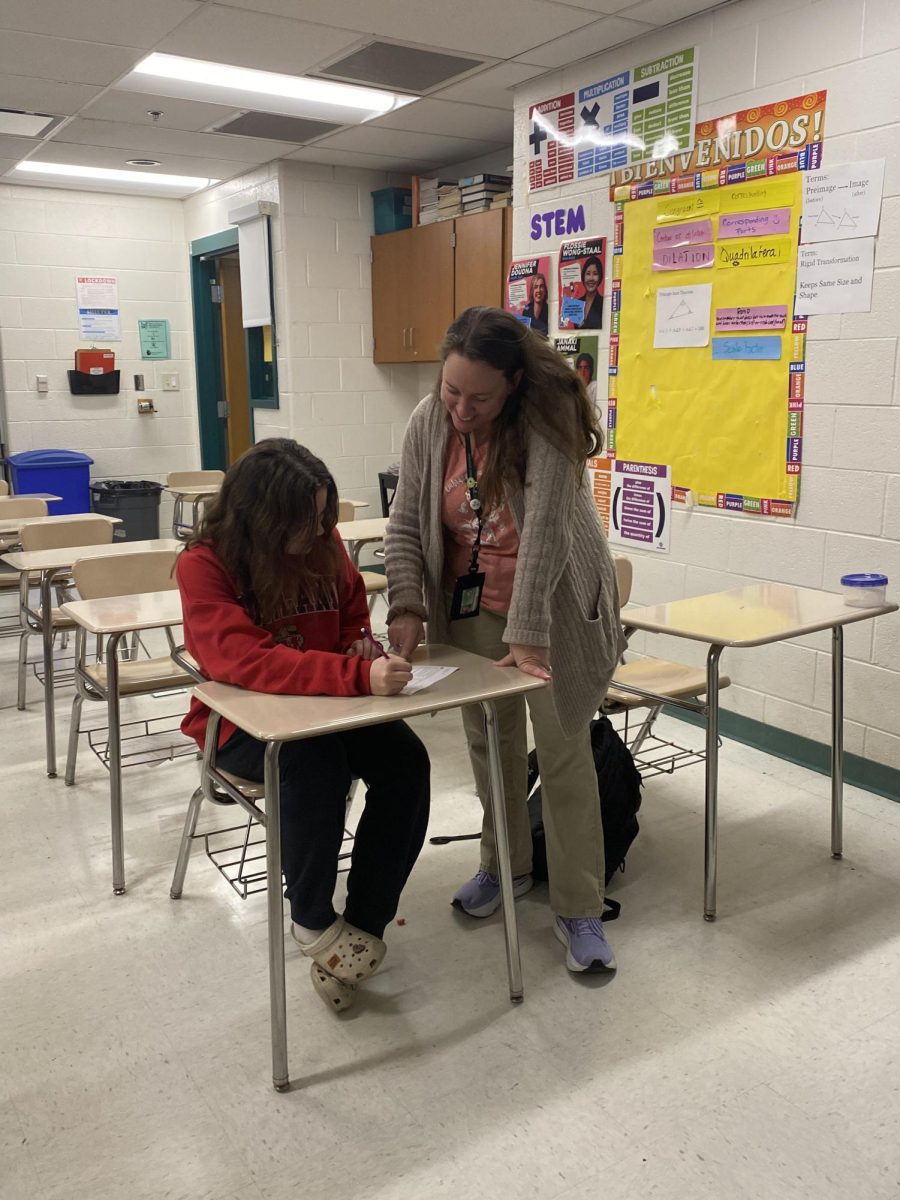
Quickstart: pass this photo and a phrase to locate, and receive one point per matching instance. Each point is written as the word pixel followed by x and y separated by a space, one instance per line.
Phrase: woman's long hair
pixel 267 498
pixel 550 397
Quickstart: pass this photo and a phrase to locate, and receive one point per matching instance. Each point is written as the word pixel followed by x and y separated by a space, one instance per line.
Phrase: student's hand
pixel 389 675
pixel 533 660
pixel 363 648
pixel 405 632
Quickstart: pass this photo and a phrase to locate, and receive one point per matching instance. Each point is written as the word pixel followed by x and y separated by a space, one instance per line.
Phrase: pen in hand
pixel 367 635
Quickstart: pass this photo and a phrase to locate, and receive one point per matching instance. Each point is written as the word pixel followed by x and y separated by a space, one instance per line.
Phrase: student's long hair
pixel 550 397
pixel 267 498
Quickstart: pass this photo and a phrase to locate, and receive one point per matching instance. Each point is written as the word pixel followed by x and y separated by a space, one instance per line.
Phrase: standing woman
pixel 273 604
pixel 493 472
pixel 591 278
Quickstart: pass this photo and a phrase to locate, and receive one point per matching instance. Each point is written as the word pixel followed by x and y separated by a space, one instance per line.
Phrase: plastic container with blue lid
pixel 864 590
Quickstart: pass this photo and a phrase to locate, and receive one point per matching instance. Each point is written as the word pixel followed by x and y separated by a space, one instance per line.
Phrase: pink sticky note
pixel 690 233
pixel 682 258
pixel 755 224
pixel 765 316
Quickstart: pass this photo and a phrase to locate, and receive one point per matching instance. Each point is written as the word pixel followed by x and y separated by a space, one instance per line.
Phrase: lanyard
pixel 474 502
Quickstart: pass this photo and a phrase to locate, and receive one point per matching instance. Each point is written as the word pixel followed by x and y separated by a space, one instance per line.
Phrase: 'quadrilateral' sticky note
pixel 762 252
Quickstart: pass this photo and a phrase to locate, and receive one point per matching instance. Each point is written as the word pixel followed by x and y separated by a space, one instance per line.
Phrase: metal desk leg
pixel 275 905
pixel 712 782
pixel 114 763
pixel 501 836
pixel 49 696
pixel 837 741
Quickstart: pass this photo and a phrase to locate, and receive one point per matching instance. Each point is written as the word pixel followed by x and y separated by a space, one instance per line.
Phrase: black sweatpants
pixel 316 775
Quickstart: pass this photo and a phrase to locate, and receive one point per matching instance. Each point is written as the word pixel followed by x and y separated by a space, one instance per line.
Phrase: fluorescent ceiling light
pixel 184 182
pixel 193 78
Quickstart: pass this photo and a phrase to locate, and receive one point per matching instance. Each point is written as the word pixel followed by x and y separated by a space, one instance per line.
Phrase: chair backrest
pixel 346 511
pixel 12 507
pixel 125 574
pixel 77 532
pixel 624 574
pixel 4 488
pixel 177 479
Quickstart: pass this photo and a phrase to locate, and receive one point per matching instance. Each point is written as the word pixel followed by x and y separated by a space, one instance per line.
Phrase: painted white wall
pixel 47 236
pixel 759 51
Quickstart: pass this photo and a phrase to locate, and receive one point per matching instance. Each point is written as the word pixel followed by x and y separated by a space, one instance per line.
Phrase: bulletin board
pixel 717 395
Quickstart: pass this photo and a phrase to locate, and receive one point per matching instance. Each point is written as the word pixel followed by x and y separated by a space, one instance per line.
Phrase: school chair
pixel 4 488
pixel 35 536
pixel 375 581
pixel 193 483
pixel 656 681
pixel 11 509
pixel 101 578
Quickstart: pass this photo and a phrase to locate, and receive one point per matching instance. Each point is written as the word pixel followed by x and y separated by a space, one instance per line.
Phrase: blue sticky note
pixel 571 312
pixel 749 349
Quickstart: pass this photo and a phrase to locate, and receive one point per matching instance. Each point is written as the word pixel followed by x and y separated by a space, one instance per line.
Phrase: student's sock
pixel 306 936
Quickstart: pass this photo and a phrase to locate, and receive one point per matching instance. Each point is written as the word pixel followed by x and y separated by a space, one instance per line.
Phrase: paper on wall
pixel 835 277
pixel 682 316
pixel 640 505
pixel 97 298
pixel 747 349
pixel 842 202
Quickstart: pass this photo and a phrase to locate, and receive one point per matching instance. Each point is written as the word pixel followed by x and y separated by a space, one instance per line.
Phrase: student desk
pixel 48 496
pixel 112 618
pixel 278 719
pixel 357 533
pixel 196 494
pixel 48 564
pixel 756 615
pixel 13 525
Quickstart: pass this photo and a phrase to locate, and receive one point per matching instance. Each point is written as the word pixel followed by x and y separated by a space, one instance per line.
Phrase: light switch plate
pixel 41 384
pixel 170 382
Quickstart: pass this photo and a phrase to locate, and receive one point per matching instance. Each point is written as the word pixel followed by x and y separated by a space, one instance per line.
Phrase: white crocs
pixel 338 996
pixel 347 953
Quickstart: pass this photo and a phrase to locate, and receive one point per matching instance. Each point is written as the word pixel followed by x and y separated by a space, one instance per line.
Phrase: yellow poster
pixel 726 414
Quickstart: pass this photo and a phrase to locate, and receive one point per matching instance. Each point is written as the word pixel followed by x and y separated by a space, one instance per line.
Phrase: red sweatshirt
pixel 300 654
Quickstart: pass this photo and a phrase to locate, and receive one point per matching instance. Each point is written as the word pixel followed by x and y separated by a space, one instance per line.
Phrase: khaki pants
pixel 571 806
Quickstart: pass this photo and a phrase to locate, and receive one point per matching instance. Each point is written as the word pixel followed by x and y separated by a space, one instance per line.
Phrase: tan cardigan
pixel 564 593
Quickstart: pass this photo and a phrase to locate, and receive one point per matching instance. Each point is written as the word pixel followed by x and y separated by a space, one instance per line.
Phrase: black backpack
pixel 620 798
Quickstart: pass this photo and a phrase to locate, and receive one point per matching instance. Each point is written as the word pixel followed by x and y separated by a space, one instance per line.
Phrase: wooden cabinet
pixel 423 277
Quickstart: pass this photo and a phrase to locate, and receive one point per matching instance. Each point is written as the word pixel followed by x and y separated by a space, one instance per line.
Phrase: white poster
pixel 640 505
pixel 97 297
pixel 842 202
pixel 835 277
pixel 682 316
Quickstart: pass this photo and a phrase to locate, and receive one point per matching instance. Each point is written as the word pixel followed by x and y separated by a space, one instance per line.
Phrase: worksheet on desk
pixel 424 677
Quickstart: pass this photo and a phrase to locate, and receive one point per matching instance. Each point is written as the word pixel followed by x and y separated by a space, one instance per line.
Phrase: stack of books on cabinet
pixel 482 192
pixel 428 198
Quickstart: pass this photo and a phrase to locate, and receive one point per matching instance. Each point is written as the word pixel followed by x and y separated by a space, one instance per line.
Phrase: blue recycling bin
pixel 65 473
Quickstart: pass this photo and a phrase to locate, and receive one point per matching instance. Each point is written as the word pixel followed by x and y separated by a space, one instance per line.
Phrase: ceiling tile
pixel 114 156
pixel 57 58
pixel 471 26
pixel 349 158
pixel 251 39
pixel 369 140
pixel 451 118
pixel 154 142
pixel 607 32
pixel 45 95
pixel 491 87
pixel 112 22
pixel 600 7
pixel 665 12
pixel 132 108
pixel 17 147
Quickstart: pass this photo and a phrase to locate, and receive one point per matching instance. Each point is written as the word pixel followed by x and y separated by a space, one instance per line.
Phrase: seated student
pixel 273 604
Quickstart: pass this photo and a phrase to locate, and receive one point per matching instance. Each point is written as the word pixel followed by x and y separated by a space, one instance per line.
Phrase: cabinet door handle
pixel 412 337
pixel 405 338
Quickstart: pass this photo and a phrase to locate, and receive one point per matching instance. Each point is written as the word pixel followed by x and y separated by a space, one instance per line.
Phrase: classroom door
pixel 235 373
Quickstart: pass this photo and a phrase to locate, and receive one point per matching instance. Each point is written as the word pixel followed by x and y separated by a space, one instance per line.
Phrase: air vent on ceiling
pixel 276 127
pixel 400 67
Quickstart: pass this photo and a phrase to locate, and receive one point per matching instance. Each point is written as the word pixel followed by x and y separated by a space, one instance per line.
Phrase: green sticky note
pixel 155 340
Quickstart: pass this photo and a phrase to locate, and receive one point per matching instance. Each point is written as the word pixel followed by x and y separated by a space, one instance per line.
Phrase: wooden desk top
pixel 193 490
pixel 750 616
pixel 58 560
pixel 289 718
pixel 14 524
pixel 124 614
pixel 370 529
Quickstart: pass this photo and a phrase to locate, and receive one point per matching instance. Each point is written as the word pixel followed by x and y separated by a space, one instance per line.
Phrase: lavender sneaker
pixel 586 946
pixel 480 895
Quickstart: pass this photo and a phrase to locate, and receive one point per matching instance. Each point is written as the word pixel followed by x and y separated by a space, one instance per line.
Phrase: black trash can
pixel 134 501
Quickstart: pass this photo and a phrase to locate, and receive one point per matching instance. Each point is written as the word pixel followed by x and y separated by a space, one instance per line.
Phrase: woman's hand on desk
pixel 389 675
pixel 405 632
pixel 532 660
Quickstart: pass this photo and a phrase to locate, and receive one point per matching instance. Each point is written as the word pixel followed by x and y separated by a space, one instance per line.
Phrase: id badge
pixel 466 600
